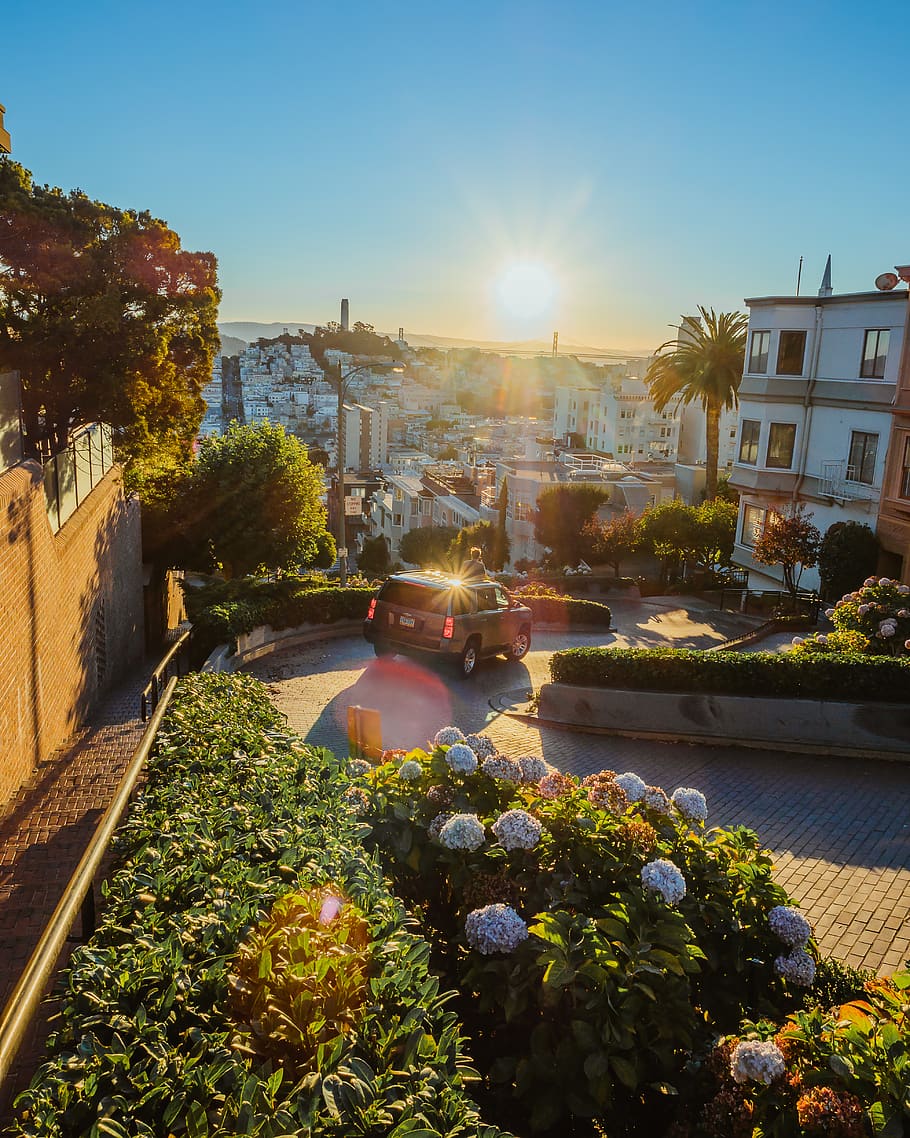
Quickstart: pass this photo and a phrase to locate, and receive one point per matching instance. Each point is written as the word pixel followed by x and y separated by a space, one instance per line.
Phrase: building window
pixel 748 443
pixel 753 524
pixel 905 472
pixel 875 353
pixel 861 463
pixel 790 353
pixel 781 438
pixel 758 353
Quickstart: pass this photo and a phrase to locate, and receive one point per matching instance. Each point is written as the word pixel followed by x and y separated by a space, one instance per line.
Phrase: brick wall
pixel 70 613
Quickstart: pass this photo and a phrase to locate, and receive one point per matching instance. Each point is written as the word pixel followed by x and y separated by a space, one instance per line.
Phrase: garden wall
pixel 70 613
pixel 820 726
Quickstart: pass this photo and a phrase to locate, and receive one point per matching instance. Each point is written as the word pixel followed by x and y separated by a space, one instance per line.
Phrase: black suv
pixel 440 614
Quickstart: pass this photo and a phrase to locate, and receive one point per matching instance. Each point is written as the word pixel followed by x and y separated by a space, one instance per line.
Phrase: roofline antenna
pixel 799 275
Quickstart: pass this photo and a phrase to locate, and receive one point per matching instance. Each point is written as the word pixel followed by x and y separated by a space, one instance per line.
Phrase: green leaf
pixel 625 1071
pixel 840 1066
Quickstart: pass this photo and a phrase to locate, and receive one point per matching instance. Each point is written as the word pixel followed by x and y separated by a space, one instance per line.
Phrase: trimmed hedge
pixel 238 813
pixel 842 677
pixel 568 611
pixel 222 611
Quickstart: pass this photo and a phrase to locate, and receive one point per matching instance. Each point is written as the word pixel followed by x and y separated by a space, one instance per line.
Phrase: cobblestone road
pixel 839 829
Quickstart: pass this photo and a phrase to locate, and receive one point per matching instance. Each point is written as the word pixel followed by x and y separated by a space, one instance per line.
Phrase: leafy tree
pixel 428 546
pixel 487 538
pixel 360 326
pixel 704 365
pixel 614 540
pixel 791 541
pixel 501 546
pixel 104 316
pixel 847 556
pixel 670 529
pixel 252 501
pixel 447 453
pixel 715 532
pixel 374 557
pixel 562 512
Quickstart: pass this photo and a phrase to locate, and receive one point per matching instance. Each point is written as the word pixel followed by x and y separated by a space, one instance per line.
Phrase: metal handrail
pixel 28 993
pixel 151 693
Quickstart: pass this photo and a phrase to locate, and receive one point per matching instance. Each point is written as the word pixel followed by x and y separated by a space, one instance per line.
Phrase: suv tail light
pixel 448 629
pixel 371 611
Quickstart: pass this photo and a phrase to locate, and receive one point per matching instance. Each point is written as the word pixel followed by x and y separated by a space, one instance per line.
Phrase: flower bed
pixel 251 974
pixel 844 676
pixel 597 933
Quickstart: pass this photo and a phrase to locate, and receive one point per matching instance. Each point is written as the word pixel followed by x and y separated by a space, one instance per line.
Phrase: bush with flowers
pixel 596 931
pixel 843 1072
pixel 873 619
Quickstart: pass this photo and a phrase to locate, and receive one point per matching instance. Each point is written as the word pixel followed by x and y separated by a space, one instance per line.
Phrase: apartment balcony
pixel 839 479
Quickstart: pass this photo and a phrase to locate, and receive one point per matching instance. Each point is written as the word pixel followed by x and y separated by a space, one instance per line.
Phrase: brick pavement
pixel 44 830
pixel 839 828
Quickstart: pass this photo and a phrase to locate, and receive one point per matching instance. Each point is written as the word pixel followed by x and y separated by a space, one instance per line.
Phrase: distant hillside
pixel 250 331
pixel 232 345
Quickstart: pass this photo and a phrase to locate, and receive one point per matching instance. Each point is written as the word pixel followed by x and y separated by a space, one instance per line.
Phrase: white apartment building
pixel 617 421
pixel 815 412
pixel 404 505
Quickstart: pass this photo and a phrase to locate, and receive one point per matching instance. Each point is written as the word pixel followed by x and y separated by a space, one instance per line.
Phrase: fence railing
pixel 175 663
pixel 770 602
pixel 71 475
pixel 28 993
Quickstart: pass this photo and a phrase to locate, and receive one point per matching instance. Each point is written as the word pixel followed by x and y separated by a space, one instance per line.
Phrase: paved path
pixel 839 829
pixel 44 830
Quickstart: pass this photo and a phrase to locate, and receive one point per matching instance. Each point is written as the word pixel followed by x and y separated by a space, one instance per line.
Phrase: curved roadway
pixel 839 828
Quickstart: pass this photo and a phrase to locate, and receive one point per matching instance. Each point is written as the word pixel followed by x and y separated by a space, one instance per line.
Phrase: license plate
pixel 406 621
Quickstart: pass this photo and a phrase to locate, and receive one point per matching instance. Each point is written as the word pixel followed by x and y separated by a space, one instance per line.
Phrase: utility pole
pixel 341 536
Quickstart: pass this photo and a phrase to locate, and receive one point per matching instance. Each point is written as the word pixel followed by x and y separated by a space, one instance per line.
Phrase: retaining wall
pixel 819 726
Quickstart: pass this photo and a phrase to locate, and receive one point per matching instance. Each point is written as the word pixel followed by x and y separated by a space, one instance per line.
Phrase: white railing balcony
pixel 840 479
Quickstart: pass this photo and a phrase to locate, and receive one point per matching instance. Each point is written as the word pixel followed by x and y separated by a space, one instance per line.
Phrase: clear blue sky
pixel 643 157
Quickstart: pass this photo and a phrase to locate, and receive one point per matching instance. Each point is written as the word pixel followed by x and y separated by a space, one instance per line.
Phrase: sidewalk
pixel 44 830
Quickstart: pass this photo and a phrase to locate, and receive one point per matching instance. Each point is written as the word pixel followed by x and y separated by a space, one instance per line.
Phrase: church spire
pixel 826 289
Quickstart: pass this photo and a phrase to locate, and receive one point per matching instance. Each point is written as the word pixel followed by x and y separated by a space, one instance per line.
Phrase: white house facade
pixel 815 413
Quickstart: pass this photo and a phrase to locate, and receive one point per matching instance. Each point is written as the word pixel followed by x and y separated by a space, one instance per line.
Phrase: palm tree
pixel 706 364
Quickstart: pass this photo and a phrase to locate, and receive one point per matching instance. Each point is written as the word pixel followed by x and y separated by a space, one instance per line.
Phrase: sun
pixel 526 289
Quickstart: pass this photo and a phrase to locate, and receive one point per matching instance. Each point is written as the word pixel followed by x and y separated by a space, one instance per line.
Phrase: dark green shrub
pixel 238 814
pixel 847 556
pixel 844 676
pixel 568 611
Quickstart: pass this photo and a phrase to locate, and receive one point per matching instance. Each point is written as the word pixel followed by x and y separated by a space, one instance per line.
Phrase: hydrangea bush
pixel 597 932
pixel 874 619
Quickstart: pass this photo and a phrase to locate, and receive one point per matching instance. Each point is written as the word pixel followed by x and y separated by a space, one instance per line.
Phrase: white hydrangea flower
pixel 869 582
pixel 758 1062
pixel 462 832
pixel 822 639
pixel 691 803
pixel 495 928
pixel 533 769
pixel 789 925
pixel 410 770
pixel 904 590
pixel 863 609
pixel 664 877
pixel 633 786
pixel 502 767
pixel 797 967
pixel 797 640
pixel 829 613
pixel 887 629
pixel 482 745
pixel 446 736
pixel 656 798
pixel 461 758
pixel 903 613
pixel 517 830
pixel 885 581
pixel 357 767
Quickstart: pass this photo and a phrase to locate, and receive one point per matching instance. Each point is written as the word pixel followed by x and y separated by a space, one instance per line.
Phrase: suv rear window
pixel 418 598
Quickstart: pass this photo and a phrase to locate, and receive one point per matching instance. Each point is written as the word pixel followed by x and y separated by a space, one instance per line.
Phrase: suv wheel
pixel 520 646
pixel 470 655
pixel 383 649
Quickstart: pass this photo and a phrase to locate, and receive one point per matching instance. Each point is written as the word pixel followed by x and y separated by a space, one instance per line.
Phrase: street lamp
pixel 342 381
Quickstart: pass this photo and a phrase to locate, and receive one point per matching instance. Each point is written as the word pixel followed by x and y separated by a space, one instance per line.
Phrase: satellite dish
pixel 885 282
